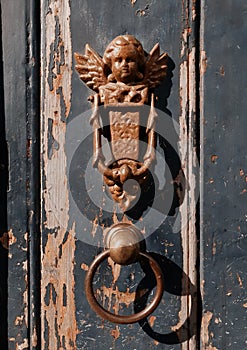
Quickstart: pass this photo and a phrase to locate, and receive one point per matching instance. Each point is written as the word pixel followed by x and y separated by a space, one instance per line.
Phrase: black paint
pixel 223 228
pixel 224 200
pixel 3 210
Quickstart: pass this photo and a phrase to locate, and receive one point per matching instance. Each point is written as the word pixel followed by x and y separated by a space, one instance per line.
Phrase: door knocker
pixel 124 81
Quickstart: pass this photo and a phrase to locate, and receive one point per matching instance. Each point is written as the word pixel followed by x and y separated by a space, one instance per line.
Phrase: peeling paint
pixel 152 320
pixel 5 240
pixel 203 62
pixel 113 298
pixel 240 282
pixel 116 270
pixel 241 172
pixel 22 346
pixel 205 324
pixel 84 267
pixel 23 318
pixel 115 333
pixel 8 239
pixel 214 248
pixel 143 12
pixel 57 272
pixel 19 320
pixel 58 327
pixel 34 338
pixel 57 81
pixel 222 71
pixel 205 335
pixel 188 157
pixel 133 2
pixel 214 158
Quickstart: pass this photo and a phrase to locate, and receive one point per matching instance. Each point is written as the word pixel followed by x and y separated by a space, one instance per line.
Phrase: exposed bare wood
pixel 189 165
pixel 57 287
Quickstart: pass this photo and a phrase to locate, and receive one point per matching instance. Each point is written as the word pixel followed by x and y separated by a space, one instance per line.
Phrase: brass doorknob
pixel 123 241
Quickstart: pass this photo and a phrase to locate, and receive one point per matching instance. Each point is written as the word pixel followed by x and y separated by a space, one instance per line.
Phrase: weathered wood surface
pixel 67 321
pixel 58 311
pixel 21 215
pixel 223 174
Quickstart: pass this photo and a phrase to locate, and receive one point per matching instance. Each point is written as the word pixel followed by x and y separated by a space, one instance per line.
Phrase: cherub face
pixel 124 65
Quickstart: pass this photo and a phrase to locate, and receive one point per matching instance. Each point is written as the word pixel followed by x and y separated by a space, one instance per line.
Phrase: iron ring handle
pixel 118 318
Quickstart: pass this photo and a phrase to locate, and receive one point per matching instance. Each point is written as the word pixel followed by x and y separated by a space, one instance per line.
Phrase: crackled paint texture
pixel 189 162
pixel 58 241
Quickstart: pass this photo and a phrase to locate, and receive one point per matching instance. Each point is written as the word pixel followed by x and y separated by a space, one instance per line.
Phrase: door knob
pixel 124 81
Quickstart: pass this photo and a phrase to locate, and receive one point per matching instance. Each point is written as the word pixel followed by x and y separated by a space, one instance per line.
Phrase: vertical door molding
pixel 188 147
pixel 58 241
pixel 20 48
pixel 223 174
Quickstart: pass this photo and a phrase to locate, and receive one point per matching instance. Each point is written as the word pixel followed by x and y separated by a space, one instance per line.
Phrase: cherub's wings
pixel 155 67
pixel 91 68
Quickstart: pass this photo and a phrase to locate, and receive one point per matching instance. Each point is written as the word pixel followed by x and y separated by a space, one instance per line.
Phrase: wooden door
pixel 55 208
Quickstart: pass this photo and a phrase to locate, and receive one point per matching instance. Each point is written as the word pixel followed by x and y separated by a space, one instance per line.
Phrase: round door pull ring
pixel 119 318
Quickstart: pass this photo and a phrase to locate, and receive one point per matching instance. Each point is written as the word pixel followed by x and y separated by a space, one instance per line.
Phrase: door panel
pixel 76 211
pixel 55 209
pixel 224 201
pixel 20 176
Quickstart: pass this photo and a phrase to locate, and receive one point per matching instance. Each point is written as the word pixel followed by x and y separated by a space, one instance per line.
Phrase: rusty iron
pixel 124 78
pixel 120 319
pixel 124 81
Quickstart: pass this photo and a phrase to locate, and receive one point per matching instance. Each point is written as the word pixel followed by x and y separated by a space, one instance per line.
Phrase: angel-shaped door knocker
pixel 124 81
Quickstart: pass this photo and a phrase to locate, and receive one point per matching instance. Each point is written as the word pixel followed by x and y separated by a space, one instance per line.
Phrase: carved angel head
pixel 124 61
